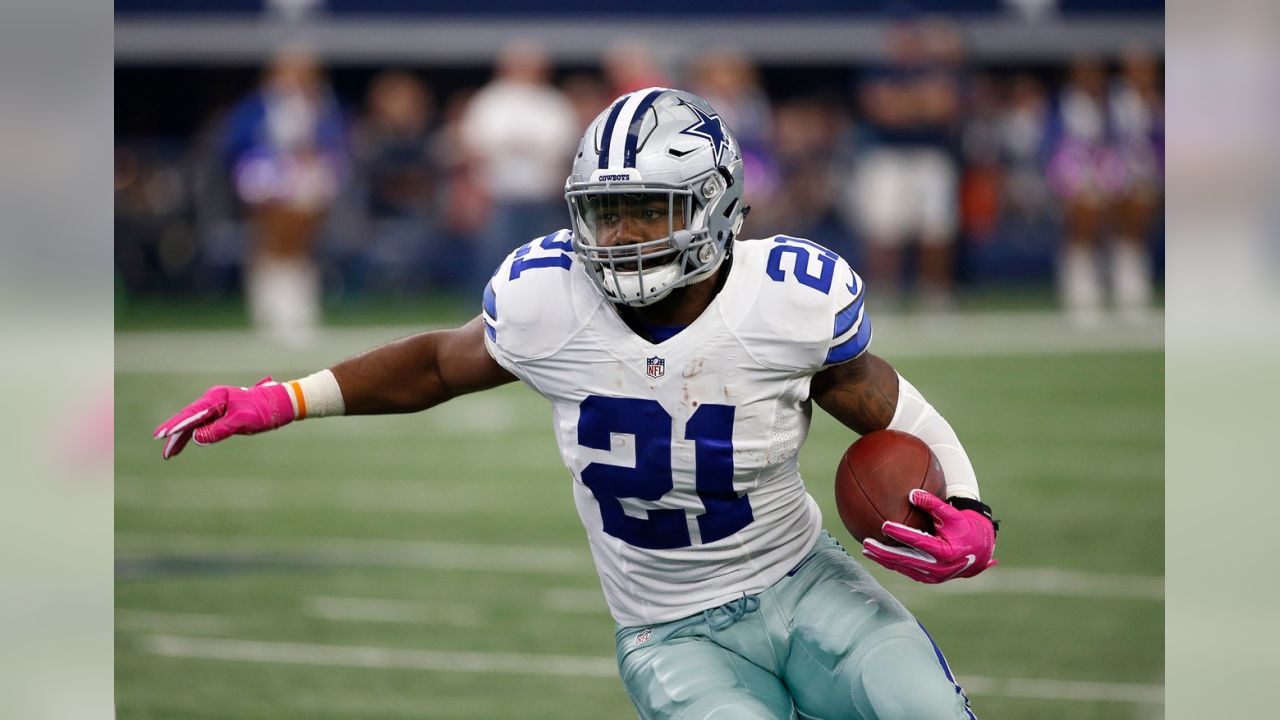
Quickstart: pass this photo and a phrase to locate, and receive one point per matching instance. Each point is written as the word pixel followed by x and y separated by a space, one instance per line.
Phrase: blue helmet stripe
pixel 633 133
pixel 607 135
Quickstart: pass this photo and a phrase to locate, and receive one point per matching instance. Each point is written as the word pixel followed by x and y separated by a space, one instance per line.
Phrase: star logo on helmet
pixel 709 127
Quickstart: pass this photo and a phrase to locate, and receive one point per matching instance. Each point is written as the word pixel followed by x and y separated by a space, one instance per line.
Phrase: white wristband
pixel 316 395
pixel 915 415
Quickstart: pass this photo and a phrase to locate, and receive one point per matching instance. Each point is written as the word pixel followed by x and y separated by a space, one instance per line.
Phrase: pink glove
pixel 962 547
pixel 224 411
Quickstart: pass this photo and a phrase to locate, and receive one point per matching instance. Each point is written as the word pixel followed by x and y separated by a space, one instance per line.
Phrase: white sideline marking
pixel 379 657
pixel 550 560
pixel 956 334
pixel 570 665
pixel 393 611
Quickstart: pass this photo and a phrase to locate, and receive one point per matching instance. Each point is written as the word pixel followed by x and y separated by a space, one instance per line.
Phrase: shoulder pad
pixel 807 311
pixel 530 303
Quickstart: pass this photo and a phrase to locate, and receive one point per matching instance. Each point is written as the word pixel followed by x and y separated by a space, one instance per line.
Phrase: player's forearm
pixel 913 414
pixel 399 377
pixel 419 372
pixel 867 394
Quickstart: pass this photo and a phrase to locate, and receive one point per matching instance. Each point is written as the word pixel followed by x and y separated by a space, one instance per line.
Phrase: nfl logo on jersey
pixel 655 366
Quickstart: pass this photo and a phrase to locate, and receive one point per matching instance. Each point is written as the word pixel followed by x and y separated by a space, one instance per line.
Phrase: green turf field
pixel 433 565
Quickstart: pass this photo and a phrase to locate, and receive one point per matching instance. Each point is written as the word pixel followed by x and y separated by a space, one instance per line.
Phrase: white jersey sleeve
pixel 526 313
pixel 809 310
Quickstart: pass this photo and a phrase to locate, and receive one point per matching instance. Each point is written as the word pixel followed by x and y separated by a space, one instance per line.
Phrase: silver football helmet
pixel 655 195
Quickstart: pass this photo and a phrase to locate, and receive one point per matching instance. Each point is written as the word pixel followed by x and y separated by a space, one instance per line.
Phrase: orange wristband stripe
pixel 302 400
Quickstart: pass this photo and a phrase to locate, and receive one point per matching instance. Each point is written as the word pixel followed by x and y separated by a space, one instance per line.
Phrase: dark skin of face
pixel 644 222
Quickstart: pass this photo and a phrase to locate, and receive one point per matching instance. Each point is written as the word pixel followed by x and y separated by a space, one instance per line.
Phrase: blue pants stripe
pixel 946 668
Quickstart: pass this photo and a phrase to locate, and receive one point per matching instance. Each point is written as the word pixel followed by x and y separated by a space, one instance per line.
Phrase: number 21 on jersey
pixel 711 430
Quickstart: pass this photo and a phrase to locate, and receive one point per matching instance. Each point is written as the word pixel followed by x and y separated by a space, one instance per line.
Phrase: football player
pixel 681 363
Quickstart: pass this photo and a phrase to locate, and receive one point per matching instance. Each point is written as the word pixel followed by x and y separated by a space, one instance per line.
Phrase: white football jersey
pixel 683 453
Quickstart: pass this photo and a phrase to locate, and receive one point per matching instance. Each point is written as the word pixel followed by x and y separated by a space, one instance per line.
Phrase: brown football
pixel 874 478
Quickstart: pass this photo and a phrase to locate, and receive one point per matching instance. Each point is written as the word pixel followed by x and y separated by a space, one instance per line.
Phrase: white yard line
pixel 349 609
pixel 378 657
pixel 970 333
pixel 1008 333
pixel 551 560
pixel 570 665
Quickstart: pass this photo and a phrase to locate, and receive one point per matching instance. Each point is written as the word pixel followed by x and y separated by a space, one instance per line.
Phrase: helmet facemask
pixel 641 242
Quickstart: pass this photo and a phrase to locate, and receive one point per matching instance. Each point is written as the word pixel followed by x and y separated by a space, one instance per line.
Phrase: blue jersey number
pixel 561 258
pixel 800 248
pixel 649 426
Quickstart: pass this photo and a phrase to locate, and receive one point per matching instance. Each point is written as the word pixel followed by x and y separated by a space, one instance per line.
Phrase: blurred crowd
pixel 924 171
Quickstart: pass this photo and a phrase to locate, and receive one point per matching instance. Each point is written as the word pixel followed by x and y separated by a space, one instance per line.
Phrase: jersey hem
pixel 778 572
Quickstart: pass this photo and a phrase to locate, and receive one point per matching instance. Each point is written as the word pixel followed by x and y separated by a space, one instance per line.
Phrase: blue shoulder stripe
pixel 633 133
pixel 607 134
pixel 490 301
pixel 846 317
pixel 852 347
pixel 490 331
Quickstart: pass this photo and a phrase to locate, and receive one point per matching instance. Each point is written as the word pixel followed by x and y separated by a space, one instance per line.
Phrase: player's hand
pixel 962 545
pixel 224 411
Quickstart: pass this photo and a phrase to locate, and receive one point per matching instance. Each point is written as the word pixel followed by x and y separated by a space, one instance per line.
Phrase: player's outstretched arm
pixel 867 394
pixel 419 372
pixel 407 375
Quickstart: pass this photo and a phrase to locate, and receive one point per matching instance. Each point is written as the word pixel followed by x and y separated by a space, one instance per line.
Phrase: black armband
pixel 964 503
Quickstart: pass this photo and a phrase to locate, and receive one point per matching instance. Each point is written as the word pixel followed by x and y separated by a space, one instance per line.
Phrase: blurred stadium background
pixel 432 566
